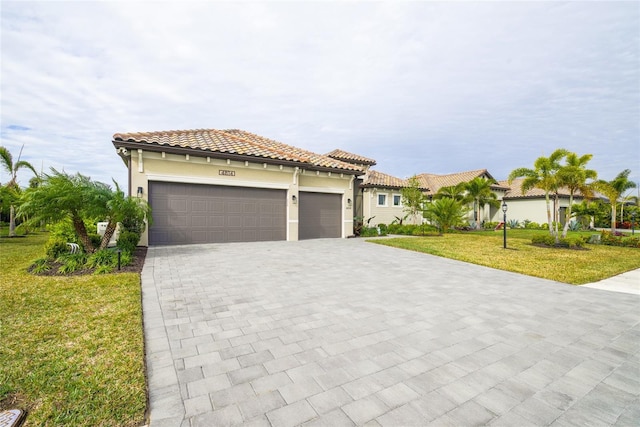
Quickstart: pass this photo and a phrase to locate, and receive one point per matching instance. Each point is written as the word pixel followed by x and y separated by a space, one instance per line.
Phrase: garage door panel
pixel 195 213
pixel 320 215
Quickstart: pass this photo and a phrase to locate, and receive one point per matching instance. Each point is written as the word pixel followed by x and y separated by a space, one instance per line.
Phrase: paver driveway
pixel 343 332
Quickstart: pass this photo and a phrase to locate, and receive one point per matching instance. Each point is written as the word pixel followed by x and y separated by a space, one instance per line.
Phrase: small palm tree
pixel 613 190
pixel 479 190
pixel 542 176
pixel 445 213
pixel 14 189
pixel 456 192
pixel 573 176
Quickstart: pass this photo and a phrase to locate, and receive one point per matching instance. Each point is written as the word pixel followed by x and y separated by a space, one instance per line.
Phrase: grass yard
pixel 563 265
pixel 72 347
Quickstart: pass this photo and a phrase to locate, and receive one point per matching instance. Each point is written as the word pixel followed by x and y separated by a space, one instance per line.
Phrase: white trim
pixel 321 190
pixel 386 200
pixel 217 181
pixel 293 221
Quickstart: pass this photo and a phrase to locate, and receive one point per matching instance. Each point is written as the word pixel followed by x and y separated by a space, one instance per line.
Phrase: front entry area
pixel 197 213
pixel 320 215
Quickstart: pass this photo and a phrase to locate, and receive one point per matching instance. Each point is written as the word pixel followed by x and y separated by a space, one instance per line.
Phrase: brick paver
pixel 344 332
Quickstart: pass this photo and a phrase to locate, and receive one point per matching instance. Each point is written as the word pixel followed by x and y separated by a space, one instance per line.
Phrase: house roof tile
pixel 436 182
pixel 350 157
pixel 383 180
pixel 515 190
pixel 233 142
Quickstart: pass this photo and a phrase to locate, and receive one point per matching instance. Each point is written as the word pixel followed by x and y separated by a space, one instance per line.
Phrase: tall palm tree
pixel 542 176
pixel 479 190
pixel 573 175
pixel 6 159
pixel 613 190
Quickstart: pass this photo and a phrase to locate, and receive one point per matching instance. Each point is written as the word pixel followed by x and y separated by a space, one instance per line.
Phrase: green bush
pixel 532 225
pixel 64 232
pixel 102 257
pixel 55 247
pixel 513 223
pixel 369 232
pixel 543 239
pixel 383 229
pixel 128 240
pixel 71 262
pixel 40 265
pixel 549 240
pixel 618 239
pixel 489 225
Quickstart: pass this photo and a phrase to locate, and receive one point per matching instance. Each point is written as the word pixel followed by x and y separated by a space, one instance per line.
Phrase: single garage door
pixel 320 215
pixel 195 213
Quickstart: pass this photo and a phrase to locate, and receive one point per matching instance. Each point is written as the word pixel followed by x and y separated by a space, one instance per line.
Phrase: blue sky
pixel 436 87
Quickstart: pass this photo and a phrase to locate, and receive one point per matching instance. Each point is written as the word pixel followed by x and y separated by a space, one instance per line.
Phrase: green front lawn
pixel 71 349
pixel 576 267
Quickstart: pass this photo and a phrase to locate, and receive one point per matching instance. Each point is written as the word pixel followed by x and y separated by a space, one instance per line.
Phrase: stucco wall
pixel 532 209
pixel 154 166
pixel 384 214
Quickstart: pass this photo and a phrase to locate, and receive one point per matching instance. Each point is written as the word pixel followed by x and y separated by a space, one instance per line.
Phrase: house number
pixel 226 173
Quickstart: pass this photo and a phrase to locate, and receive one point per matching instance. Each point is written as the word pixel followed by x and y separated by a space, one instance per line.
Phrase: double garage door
pixel 195 213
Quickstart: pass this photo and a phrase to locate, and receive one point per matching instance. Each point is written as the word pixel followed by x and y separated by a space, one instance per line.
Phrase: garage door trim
pixel 217 181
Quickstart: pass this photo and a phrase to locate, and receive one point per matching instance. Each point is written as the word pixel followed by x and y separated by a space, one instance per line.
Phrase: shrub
pixel 513 223
pixel 618 239
pixel 64 232
pixel 532 225
pixel 71 262
pixel 100 258
pixel 40 266
pixel 128 240
pixel 543 239
pixel 103 269
pixel 369 232
pixel 383 229
pixel 525 223
pixel 55 247
pixel 575 225
pixel 490 225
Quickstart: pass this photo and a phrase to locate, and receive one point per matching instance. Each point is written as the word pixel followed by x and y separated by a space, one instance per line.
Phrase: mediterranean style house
pixel 214 186
pixel 209 185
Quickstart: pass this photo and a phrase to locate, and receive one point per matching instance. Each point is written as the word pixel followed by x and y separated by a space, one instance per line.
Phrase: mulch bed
pixel 136 265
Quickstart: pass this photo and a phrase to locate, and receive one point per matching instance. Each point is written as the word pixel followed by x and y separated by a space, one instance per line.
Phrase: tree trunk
pixel 81 231
pixel 106 238
pixel 567 217
pixel 546 197
pixel 12 221
pixel 556 216
pixel 613 218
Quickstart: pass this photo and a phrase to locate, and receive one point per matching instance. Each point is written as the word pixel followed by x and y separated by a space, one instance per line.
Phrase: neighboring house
pixel 532 205
pixel 383 195
pixel 210 186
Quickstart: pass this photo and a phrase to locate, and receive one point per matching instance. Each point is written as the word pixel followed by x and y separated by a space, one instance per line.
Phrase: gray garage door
pixel 320 215
pixel 194 213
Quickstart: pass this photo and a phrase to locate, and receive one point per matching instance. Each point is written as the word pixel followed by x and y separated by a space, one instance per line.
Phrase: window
pixel 397 200
pixel 382 200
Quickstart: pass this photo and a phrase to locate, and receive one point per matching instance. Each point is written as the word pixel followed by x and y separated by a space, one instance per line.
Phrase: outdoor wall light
pixel 349 203
pixel 504 223
pixel 294 199
pixel 139 191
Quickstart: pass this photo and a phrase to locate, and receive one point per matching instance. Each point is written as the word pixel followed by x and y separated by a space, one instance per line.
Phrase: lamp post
pixel 633 223
pixel 504 223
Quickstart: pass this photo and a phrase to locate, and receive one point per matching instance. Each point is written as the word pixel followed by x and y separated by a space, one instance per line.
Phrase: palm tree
pixel 613 190
pixel 456 192
pixel 573 175
pixel 445 213
pixel 479 190
pixel 543 176
pixel 120 208
pixel 14 189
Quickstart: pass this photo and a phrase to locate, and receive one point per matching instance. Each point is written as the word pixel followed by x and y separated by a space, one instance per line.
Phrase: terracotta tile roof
pixel 435 182
pixel 234 142
pixel 382 180
pixel 350 157
pixel 515 190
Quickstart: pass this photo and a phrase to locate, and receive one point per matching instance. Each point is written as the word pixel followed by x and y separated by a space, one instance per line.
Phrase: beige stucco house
pixel 531 204
pixel 208 186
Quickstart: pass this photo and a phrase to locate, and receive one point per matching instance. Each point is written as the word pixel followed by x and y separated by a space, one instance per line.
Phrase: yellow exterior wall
pixel 148 166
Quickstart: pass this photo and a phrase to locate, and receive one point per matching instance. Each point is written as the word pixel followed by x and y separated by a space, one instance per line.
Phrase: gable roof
pixel 515 191
pixel 350 157
pixel 435 182
pixel 230 144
